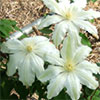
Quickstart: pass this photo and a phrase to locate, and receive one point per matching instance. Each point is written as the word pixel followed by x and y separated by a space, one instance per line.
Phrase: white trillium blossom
pixel 69 17
pixel 28 57
pixel 71 72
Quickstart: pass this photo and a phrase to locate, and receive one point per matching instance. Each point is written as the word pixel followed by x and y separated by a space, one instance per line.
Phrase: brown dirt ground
pixel 26 11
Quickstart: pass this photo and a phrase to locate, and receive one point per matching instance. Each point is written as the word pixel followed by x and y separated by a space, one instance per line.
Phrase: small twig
pixel 35 30
pixel 94 93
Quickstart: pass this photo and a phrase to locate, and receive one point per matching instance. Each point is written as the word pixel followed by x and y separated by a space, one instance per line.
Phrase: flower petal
pixel 50 19
pixel 73 86
pixel 11 66
pixel 56 85
pixel 93 14
pixel 86 78
pixel 81 53
pixel 65 1
pixel 39 39
pixel 90 14
pixel 59 32
pixel 89 66
pixel 11 46
pixel 54 58
pixel 26 74
pixel 47 51
pixel 73 31
pixel 50 73
pixel 69 47
pixel 34 40
pixel 67 50
pixel 37 64
pixel 52 5
pixel 14 62
pixel 30 66
pixel 64 5
pixel 86 26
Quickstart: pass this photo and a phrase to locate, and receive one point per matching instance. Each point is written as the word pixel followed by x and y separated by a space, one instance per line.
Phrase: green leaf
pixel 23 36
pixel 7 26
pixel 85 40
pixel 46 30
pixel 62 96
pixel 16 28
pixel 92 20
pixel 21 90
pixel 98 64
pixel 6 86
pixel 94 0
pixel 95 95
pixel 87 91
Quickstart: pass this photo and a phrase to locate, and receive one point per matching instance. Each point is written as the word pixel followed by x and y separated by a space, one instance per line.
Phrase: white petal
pixel 69 47
pixel 93 14
pixel 50 73
pixel 73 86
pixel 56 85
pixel 67 50
pixel 50 20
pixel 37 64
pixel 90 14
pixel 72 27
pixel 11 46
pixel 89 66
pixel 64 5
pixel 65 1
pixel 76 38
pixel 39 39
pixel 26 75
pixel 34 40
pixel 52 5
pixel 81 53
pixel 74 10
pixel 53 58
pixel 45 50
pixel 11 66
pixel 80 3
pixel 59 32
pixel 73 31
pixel 14 61
pixel 86 26
pixel 86 78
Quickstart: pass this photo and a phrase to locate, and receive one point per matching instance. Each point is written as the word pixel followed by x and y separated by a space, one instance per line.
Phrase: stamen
pixel 69 67
pixel 69 16
pixel 29 48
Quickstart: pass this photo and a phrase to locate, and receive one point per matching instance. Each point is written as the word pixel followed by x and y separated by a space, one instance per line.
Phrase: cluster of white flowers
pixel 68 67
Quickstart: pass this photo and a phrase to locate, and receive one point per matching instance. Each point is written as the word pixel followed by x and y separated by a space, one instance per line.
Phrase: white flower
pixel 28 57
pixel 71 71
pixel 69 17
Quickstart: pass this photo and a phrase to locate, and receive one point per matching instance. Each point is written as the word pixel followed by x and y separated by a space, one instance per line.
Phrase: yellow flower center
pixel 29 48
pixel 69 16
pixel 69 67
